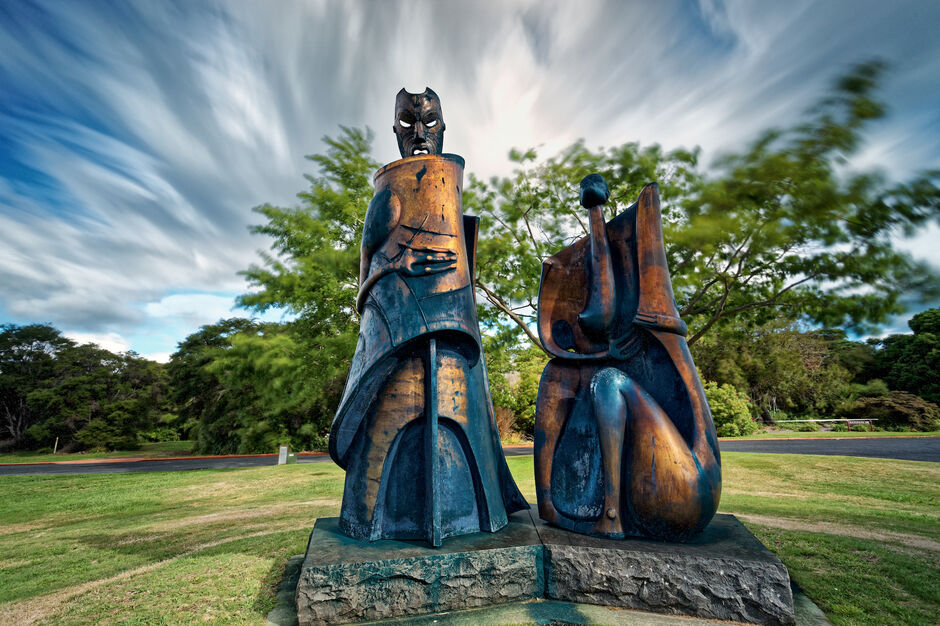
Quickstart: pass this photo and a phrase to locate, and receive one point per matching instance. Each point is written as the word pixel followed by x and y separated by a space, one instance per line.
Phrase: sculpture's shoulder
pixel 381 218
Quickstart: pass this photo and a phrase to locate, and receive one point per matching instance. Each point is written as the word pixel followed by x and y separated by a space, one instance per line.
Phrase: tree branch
pixel 501 304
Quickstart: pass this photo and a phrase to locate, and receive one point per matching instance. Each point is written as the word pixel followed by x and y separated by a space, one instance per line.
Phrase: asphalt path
pixel 906 448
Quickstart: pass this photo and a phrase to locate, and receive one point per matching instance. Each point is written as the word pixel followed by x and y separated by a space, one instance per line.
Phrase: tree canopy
pixel 779 234
pixel 912 362
pixel 782 230
pixel 84 396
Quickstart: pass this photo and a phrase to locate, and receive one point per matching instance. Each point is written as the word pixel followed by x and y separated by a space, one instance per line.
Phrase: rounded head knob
pixel 594 191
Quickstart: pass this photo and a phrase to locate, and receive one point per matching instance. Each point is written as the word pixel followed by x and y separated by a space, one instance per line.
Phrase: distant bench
pixel 848 422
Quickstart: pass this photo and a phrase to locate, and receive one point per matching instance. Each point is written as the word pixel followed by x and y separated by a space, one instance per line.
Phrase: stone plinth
pixel 725 573
pixel 345 580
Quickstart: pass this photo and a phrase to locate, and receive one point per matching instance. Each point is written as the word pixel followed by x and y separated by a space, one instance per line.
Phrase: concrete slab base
pixel 724 574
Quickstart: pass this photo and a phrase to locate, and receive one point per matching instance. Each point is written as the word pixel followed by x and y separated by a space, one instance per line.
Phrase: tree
pixel 27 359
pixel 314 272
pixel 855 357
pixel 83 395
pixel 97 399
pixel 912 362
pixel 202 400
pixel 514 372
pixel 779 367
pixel 778 231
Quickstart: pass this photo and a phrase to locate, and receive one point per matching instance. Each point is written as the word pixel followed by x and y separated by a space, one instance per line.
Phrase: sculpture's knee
pixel 609 389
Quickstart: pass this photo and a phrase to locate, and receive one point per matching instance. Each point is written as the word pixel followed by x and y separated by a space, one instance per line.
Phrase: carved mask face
pixel 419 123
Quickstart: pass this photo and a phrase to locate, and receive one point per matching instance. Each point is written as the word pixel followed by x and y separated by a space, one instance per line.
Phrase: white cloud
pixel 136 141
pixel 196 309
pixel 159 357
pixel 112 342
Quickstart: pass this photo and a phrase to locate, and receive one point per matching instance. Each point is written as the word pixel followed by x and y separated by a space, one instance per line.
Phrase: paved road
pixel 908 448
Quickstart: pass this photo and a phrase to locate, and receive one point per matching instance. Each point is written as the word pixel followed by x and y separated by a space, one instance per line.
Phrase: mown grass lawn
pixel 861 536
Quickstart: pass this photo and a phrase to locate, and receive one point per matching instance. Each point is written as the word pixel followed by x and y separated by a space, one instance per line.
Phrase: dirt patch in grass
pixel 241 514
pixel 12 529
pixel 35 609
pixel 764 494
pixel 912 541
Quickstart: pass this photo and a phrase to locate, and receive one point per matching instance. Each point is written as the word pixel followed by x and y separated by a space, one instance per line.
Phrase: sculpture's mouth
pixel 415 151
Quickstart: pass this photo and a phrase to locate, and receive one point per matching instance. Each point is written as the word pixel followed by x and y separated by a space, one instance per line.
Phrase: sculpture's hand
pixel 416 261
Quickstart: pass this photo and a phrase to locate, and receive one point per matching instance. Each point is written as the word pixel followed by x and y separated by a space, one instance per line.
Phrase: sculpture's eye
pixel 404 123
pixel 431 122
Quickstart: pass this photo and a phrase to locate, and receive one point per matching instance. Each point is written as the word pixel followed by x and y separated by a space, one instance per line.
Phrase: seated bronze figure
pixel 624 439
pixel 415 429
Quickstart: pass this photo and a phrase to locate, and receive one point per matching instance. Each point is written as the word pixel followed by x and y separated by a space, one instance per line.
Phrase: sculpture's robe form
pixel 415 430
pixel 624 441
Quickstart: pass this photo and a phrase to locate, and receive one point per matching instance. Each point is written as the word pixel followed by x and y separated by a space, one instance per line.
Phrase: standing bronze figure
pixel 415 430
pixel 624 439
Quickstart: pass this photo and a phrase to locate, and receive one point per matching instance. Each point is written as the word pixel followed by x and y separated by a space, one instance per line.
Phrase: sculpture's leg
pixel 668 495
pixel 400 403
pixel 611 415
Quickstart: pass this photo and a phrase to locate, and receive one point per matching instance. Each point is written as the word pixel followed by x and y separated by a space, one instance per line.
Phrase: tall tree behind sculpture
pixel 624 440
pixel 415 429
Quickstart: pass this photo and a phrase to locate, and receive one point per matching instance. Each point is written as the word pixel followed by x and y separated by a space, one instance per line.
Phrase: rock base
pixel 724 573
pixel 345 580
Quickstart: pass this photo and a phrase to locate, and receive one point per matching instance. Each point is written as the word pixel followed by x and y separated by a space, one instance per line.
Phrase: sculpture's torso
pixel 415 428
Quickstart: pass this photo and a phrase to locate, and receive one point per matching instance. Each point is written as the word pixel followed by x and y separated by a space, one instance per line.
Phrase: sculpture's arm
pixel 598 314
pixel 382 217
pixel 410 261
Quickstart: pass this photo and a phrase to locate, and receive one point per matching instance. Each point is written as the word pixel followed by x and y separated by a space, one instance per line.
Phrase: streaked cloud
pixel 138 135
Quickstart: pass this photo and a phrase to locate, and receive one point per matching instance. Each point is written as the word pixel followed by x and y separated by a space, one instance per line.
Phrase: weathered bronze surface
pixel 624 439
pixel 415 430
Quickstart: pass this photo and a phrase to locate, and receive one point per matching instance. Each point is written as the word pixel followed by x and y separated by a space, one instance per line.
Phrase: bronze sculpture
pixel 415 429
pixel 624 439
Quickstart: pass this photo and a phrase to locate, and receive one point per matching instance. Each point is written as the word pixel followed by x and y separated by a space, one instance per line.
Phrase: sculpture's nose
pixel 419 131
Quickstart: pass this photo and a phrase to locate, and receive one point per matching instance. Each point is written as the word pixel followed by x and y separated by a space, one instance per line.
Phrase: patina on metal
pixel 415 430
pixel 624 439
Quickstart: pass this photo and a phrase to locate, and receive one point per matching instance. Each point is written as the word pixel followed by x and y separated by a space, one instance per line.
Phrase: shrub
pixel 897 409
pixel 162 433
pixel 840 428
pixel 505 421
pixel 806 427
pixel 731 410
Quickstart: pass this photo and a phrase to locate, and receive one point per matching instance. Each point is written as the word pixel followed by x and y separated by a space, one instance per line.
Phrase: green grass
pixel 786 434
pixel 147 450
pixel 860 536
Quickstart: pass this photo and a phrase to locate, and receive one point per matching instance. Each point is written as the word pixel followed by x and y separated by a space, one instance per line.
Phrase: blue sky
pixel 135 137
